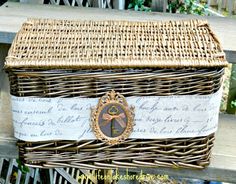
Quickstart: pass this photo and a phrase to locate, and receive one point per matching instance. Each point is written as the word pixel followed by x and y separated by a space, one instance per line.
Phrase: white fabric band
pixel 40 119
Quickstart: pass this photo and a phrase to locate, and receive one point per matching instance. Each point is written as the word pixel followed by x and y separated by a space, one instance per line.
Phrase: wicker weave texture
pixel 43 43
pixel 184 152
pixel 129 82
pixel 132 153
pixel 61 58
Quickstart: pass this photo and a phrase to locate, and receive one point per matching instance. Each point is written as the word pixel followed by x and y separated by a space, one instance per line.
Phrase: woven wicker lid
pixel 43 43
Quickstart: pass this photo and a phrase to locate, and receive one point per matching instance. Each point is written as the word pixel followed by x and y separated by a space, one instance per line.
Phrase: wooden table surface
pixel 12 15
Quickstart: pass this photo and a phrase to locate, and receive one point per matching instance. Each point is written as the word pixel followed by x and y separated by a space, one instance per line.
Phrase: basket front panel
pixel 180 152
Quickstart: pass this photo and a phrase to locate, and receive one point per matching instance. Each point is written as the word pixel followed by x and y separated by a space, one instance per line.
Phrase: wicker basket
pixel 56 58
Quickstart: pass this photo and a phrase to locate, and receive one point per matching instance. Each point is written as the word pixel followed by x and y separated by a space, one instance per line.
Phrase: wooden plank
pixel 212 2
pixel 12 15
pixel 164 5
pixel 32 1
pixel 73 172
pixel 77 174
pixel 7 37
pixel 120 5
pixel 9 172
pixel 208 3
pixel 158 5
pixel 219 5
pixel 54 177
pixel 65 175
pixel 36 174
pixel 68 171
pixel 7 142
pixel 27 178
pixel 1 164
pixel 231 56
pixel 51 176
pixel 8 148
pixel 18 179
pixel 60 179
pixel 230 6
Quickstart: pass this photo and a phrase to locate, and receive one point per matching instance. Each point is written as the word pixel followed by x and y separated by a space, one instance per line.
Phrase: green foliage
pixel 233 104
pixel 233 73
pixel 233 85
pixel 24 169
pixel 185 6
pixel 138 5
pixel 174 5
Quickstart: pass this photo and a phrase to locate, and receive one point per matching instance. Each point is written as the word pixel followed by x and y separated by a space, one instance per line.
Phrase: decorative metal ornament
pixel 112 119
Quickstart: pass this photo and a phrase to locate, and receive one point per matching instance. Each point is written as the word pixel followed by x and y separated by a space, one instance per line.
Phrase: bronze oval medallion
pixel 112 119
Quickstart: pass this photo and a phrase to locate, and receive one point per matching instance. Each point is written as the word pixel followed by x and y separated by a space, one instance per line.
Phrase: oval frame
pixel 117 99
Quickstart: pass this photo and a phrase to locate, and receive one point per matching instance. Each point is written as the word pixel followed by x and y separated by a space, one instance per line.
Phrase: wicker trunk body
pixel 54 58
